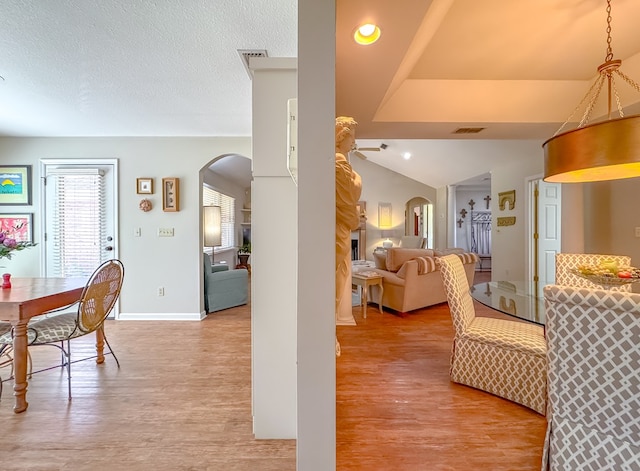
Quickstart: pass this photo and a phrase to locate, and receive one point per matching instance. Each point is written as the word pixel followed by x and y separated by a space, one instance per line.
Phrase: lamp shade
pixel 609 150
pixel 212 223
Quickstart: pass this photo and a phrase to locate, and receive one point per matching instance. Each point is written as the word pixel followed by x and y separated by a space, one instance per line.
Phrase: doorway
pixel 419 220
pixel 79 215
pixel 544 238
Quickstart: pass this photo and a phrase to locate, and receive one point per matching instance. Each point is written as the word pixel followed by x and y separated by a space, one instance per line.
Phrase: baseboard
pixel 161 316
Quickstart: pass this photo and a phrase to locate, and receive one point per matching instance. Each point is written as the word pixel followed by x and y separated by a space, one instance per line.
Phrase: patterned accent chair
pixel 565 262
pixel 96 302
pixel 502 357
pixel 594 380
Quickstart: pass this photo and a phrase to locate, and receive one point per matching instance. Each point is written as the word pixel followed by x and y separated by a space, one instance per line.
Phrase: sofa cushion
pixel 380 259
pixel 449 251
pixel 425 265
pixel 396 256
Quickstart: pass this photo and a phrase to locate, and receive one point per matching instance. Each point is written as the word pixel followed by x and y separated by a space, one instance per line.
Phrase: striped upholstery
pixel 505 358
pixel 594 380
pixel 468 257
pixel 565 262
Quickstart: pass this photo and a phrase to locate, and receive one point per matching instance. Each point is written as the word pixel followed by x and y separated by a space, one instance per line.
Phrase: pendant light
pixel 607 150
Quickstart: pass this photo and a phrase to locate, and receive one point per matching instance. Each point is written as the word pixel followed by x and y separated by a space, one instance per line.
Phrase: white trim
pixel 529 218
pixel 161 316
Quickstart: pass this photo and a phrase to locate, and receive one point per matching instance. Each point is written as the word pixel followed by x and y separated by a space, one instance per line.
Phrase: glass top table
pixel 521 299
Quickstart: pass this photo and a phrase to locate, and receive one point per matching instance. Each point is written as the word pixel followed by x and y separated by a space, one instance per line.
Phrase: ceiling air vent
pixel 468 130
pixel 246 54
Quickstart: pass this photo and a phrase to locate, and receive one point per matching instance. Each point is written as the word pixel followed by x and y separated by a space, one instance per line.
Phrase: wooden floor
pixel 396 408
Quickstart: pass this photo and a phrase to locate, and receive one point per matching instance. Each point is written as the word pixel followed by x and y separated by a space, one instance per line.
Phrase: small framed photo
pixel 17 226
pixel 171 194
pixel 144 186
pixel 15 184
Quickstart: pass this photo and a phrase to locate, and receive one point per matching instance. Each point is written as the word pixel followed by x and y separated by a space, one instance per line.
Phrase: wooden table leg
pixel 100 345
pixel 365 296
pixel 380 298
pixel 20 366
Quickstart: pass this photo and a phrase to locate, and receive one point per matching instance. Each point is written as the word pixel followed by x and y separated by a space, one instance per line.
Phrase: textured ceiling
pixel 134 68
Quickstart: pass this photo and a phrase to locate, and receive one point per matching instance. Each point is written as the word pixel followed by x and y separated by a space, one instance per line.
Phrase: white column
pixel 274 241
pixel 316 236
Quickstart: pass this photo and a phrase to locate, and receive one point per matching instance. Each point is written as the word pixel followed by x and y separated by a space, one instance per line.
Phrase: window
pixel 211 197
pixel 76 221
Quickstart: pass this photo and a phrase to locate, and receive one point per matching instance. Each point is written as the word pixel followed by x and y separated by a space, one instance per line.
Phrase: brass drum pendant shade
pixel 604 151
pixel 607 150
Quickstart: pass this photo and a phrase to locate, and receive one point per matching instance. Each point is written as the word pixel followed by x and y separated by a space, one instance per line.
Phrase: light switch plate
pixel 165 232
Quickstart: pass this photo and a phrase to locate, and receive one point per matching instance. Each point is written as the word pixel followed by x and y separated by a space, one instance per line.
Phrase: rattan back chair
pixel 96 303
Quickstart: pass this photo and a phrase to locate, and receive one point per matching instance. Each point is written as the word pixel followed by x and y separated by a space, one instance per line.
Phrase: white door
pixel 79 209
pixel 549 222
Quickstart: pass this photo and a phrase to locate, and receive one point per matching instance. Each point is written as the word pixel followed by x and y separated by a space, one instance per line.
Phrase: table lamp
pixel 212 225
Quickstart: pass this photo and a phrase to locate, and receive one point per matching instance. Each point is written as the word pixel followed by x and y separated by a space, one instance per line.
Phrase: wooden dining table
pixel 28 298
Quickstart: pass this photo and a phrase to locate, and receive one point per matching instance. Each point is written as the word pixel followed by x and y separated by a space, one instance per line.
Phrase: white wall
pixel 508 259
pixel 380 185
pixel 172 262
pixel 611 218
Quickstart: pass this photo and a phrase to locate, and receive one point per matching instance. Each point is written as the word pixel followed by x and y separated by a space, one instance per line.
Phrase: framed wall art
pixel 171 194
pixel 144 186
pixel 17 226
pixel 384 215
pixel 15 184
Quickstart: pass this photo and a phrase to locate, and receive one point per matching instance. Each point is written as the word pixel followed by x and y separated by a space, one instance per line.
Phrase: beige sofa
pixel 412 277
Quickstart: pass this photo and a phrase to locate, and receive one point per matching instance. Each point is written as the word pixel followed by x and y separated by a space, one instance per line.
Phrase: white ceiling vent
pixel 468 130
pixel 246 54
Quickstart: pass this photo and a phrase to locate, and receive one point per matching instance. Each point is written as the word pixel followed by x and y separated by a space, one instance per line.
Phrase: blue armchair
pixel 224 288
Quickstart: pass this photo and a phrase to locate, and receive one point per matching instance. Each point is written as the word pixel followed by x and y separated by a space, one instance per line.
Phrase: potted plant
pixel 243 254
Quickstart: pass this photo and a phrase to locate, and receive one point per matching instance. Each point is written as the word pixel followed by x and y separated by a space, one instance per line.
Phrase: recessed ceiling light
pixel 367 34
pixel 406 155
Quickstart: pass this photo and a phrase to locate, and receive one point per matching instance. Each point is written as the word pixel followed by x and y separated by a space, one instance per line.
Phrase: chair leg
pixel 110 349
pixel 68 352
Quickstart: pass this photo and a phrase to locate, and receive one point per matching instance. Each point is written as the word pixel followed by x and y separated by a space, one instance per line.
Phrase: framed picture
pixel 15 184
pixel 144 186
pixel 384 215
pixel 171 194
pixel 17 226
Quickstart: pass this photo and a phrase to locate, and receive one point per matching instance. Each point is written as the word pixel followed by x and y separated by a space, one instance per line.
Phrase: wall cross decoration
pixel 463 213
pixel 487 199
pixel 472 204
pixel 460 221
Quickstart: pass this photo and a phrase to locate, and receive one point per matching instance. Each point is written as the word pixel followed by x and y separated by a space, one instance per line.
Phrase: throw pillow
pixel 468 257
pixel 425 265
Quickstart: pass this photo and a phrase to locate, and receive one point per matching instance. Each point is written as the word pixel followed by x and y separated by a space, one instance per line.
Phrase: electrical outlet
pixel 165 232
pixel 161 291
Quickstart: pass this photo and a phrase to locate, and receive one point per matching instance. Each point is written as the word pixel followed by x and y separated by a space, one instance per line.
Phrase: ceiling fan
pixel 358 150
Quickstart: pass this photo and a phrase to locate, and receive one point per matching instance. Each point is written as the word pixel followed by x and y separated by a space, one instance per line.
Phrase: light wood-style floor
pixel 396 408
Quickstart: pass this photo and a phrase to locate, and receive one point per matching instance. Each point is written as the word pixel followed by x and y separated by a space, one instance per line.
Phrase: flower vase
pixel 6 281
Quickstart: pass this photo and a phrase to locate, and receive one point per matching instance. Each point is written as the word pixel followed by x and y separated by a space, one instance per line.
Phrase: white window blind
pixel 76 234
pixel 211 197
